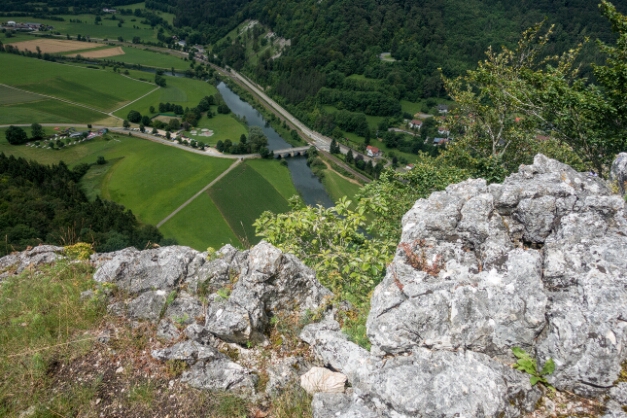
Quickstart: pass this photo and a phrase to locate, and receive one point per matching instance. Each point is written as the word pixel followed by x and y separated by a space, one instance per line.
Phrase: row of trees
pixel 257 142
pixel 16 135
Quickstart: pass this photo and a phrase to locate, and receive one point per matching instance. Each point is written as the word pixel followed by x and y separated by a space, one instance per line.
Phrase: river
pixel 308 185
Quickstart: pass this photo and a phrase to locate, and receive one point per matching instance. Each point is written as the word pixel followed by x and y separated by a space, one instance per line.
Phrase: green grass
pixel 11 96
pixel 411 107
pixel 107 30
pixel 43 319
pixel 200 225
pixel 242 196
pixel 186 92
pixel 150 179
pixel 276 174
pixel 98 89
pixel 137 55
pixel 47 111
pixel 338 187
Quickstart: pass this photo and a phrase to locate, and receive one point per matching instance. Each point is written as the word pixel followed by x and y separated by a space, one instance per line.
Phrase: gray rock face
pixel 618 172
pixel 168 286
pixel 534 262
pixel 420 382
pixel 269 281
pixel 139 271
pixel 16 263
pixel 209 369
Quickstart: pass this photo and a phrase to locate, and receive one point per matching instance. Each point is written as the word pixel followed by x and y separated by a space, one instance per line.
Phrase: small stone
pixel 319 379
pixel 119 370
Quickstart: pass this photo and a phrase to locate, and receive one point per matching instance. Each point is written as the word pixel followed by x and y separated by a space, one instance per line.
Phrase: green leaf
pixel 535 379
pixel 527 366
pixel 519 352
pixel 549 367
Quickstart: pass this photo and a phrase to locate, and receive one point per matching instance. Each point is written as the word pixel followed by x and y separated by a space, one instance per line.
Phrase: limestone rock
pixel 534 262
pixel 147 306
pixel 319 379
pixel 618 172
pixel 269 282
pixel 139 271
pixel 16 263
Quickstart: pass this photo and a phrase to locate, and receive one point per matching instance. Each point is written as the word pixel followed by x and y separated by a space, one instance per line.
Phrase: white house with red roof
pixel 415 124
pixel 373 151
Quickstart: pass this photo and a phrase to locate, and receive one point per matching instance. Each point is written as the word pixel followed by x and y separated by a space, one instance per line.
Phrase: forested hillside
pixel 44 204
pixel 331 40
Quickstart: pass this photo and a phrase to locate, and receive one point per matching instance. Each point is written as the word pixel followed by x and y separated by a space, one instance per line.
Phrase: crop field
pixel 200 225
pixel 98 89
pixel 51 46
pixel 100 53
pixel 242 196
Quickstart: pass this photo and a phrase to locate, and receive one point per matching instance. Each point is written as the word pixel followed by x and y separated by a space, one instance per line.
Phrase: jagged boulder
pixel 16 263
pixel 536 262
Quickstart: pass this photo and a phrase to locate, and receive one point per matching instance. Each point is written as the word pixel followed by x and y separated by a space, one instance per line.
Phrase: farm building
pixel 415 124
pixel 373 151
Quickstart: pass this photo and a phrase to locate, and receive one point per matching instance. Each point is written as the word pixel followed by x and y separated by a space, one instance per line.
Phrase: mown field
pixel 98 89
pixel 242 196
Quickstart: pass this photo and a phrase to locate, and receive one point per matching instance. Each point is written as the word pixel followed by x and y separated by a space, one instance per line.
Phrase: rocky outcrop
pixel 209 303
pixel 18 262
pixel 534 262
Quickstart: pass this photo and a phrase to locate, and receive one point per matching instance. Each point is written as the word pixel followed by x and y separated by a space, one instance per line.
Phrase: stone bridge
pixel 290 152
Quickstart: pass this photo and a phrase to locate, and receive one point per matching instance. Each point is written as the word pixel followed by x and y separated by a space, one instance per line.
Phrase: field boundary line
pixel 204 189
pixel 130 103
pixel 59 99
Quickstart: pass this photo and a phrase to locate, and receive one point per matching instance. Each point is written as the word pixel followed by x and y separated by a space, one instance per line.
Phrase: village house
pixel 373 151
pixel 440 141
pixel 442 108
pixel 442 130
pixel 409 167
pixel 107 10
pixel 415 124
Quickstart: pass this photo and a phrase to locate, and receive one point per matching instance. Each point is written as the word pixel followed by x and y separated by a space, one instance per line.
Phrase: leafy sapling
pixel 527 364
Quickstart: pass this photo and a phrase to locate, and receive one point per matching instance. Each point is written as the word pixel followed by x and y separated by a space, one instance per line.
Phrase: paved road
pixel 204 189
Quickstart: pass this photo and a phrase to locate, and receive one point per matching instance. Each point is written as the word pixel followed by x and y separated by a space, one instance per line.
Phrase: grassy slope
pixel 337 186
pixel 99 89
pixel 242 195
pixel 200 225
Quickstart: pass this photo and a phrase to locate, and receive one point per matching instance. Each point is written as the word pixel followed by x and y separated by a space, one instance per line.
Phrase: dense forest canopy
pixel 334 39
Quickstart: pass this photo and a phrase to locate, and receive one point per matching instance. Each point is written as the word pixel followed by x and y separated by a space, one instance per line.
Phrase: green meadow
pixel 242 196
pixel 99 89
pixel 338 187
pixel 137 55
